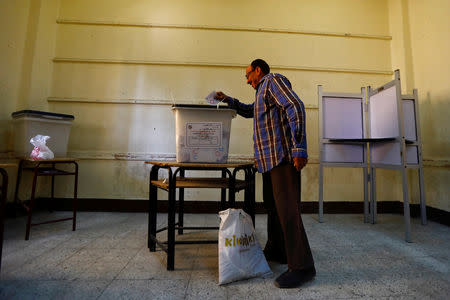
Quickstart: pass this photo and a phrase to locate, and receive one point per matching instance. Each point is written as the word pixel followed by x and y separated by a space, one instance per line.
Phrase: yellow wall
pixel 12 43
pixel 119 64
pixel 421 47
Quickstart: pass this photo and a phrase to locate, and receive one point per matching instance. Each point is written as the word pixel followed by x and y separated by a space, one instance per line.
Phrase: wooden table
pixel 3 196
pixel 42 168
pixel 176 179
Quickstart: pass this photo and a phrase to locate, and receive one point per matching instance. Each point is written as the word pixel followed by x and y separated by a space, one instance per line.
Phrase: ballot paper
pixel 211 100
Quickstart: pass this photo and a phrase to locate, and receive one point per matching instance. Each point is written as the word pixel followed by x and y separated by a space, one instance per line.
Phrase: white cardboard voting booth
pixel 392 138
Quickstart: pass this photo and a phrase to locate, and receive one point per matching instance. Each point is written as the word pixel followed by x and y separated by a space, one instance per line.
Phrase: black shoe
pixel 271 256
pixel 295 278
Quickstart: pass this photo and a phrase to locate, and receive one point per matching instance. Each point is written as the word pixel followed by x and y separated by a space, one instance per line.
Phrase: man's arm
pixel 244 110
pixel 287 100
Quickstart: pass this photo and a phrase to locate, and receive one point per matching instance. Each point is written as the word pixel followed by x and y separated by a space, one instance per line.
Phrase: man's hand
pixel 300 162
pixel 221 96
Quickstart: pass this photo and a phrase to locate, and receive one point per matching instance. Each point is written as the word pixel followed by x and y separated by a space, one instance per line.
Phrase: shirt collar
pixel 262 79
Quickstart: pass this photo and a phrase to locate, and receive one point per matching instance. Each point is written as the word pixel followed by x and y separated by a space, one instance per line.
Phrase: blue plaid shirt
pixel 278 122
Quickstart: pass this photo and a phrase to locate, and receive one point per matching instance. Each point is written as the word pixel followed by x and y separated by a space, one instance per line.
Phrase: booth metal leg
pixel 373 195
pixel 320 193
pixel 366 195
pixel 406 213
pixel 423 208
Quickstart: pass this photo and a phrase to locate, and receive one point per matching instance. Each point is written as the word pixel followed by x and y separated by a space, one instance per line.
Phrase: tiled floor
pixel 107 258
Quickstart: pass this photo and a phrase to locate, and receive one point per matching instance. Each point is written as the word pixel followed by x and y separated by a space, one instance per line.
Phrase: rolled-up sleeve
pixel 244 110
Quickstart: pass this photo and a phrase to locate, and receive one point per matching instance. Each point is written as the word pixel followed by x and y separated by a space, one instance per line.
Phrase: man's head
pixel 255 71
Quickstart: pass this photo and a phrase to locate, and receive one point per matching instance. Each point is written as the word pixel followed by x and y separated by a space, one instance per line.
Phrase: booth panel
pixel 412 155
pixel 386 153
pixel 383 114
pixel 409 119
pixel 342 118
pixel 343 153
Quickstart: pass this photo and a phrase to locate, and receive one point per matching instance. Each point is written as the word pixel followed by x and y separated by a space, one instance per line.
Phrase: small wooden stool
pixel 41 168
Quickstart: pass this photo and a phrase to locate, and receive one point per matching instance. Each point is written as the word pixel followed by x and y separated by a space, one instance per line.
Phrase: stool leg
pixel 75 198
pixel 30 207
pixel 52 197
pixel 19 177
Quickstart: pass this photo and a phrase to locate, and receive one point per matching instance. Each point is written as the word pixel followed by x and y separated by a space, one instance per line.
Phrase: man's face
pixel 253 76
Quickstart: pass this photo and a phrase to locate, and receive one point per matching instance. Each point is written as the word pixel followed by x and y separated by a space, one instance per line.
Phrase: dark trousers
pixel 285 231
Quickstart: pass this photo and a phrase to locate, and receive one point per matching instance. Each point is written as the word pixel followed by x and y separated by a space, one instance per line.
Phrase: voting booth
pixel 342 130
pixel 395 117
pixel 391 140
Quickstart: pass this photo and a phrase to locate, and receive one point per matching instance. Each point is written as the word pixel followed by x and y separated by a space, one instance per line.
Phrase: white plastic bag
pixel 240 255
pixel 41 151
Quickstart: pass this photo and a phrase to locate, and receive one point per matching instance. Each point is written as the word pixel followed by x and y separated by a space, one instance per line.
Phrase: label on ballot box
pixel 204 134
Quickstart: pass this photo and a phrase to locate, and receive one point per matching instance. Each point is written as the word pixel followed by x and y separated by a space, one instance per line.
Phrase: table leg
pixel 75 198
pixel 223 194
pixel 171 222
pixel 232 191
pixel 181 205
pixel 152 208
pixel 51 205
pixel 249 197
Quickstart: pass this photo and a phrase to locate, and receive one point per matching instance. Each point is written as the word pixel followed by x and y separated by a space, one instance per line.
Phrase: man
pixel 280 153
